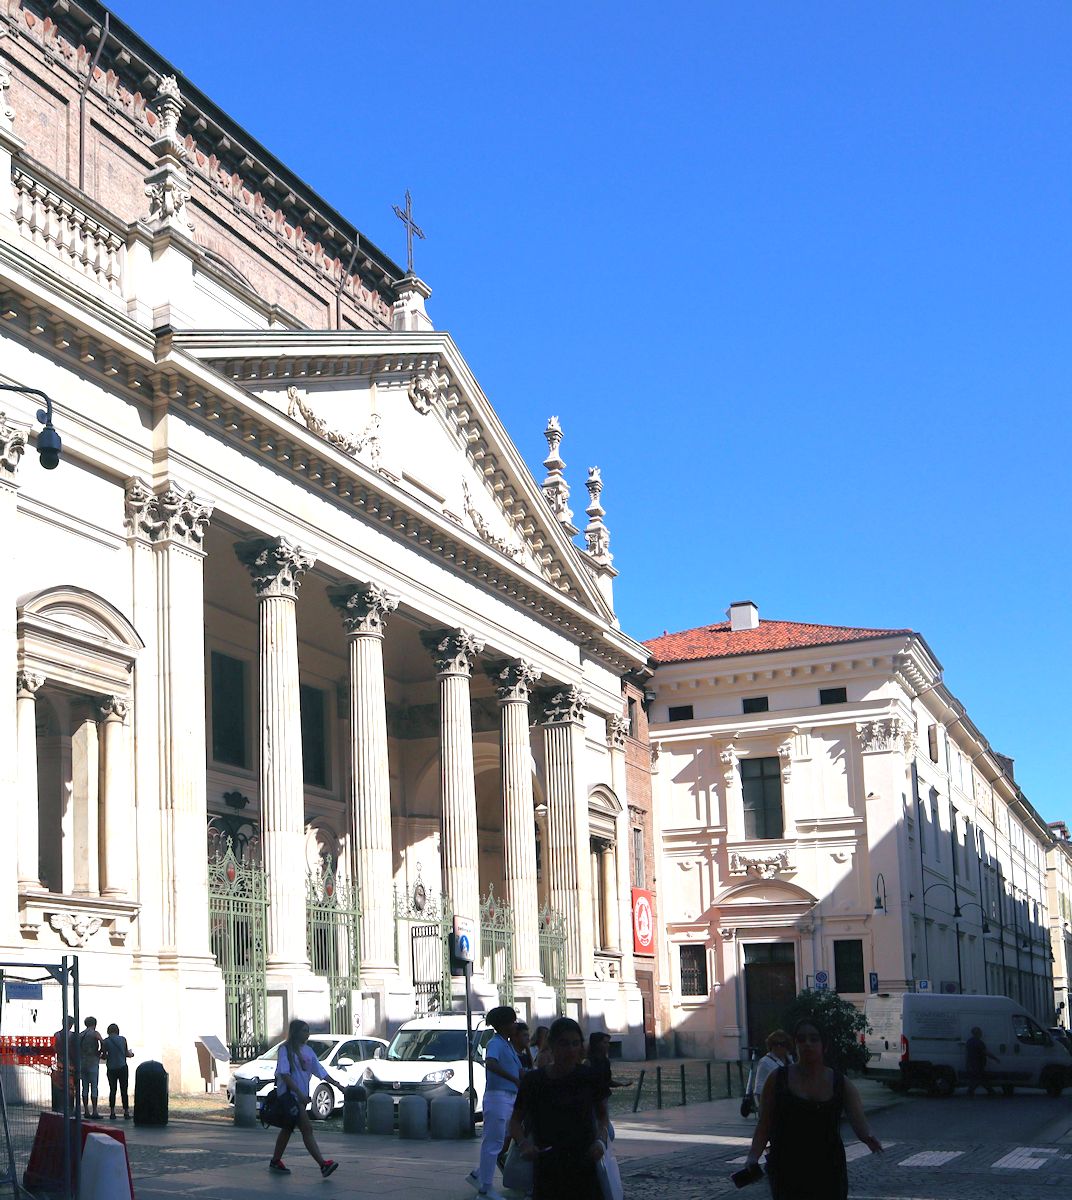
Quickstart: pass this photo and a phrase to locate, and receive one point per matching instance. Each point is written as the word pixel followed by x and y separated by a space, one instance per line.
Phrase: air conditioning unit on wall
pixel 949 987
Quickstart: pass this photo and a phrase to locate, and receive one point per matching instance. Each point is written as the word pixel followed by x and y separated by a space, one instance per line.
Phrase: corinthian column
pixel 453 651
pixel 117 850
pixel 26 685
pixel 512 683
pixel 276 567
pixel 364 608
pixel 568 852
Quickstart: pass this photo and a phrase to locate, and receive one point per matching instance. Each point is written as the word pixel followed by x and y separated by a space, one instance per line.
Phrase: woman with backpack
pixel 296 1065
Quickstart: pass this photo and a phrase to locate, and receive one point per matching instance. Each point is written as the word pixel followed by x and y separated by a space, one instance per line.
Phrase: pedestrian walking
pixel 779 1051
pixel 116 1053
pixel 542 1056
pixel 89 1054
pixel 800 1116
pixel 503 1076
pixel 519 1039
pixel 560 1120
pixel 975 1056
pixel 296 1064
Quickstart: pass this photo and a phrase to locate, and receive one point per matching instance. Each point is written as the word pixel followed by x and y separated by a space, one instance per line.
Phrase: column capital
pixel 452 650
pixel 513 679
pixel 12 440
pixel 276 565
pixel 364 607
pixel 27 682
pixel 169 514
pixel 617 728
pixel 114 708
pixel 564 707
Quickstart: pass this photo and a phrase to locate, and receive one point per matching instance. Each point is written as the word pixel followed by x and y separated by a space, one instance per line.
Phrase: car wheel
pixel 1007 1089
pixel 944 1083
pixel 1052 1084
pixel 322 1104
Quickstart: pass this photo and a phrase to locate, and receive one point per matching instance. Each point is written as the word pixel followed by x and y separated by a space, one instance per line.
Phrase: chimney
pixel 1060 830
pixel 743 614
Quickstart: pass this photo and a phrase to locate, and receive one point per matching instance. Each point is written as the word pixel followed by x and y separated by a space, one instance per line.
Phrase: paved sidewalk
pixel 210 1159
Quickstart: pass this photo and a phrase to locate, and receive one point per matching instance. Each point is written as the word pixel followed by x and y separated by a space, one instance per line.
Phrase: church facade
pixel 306 661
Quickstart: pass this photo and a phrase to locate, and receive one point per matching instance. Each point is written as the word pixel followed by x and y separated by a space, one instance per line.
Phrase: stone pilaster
pixel 364 608
pixel 26 685
pixel 568 850
pixel 453 652
pixel 117 853
pixel 617 729
pixel 276 567
pixel 513 681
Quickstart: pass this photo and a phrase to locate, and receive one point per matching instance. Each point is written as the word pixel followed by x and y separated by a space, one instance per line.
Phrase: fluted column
pixel 453 651
pixel 26 685
pixel 567 826
pixel 513 681
pixel 276 567
pixel 117 849
pixel 364 608
pixel 617 728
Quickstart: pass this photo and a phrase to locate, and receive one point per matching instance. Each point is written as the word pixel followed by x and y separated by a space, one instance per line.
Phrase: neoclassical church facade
pixel 306 660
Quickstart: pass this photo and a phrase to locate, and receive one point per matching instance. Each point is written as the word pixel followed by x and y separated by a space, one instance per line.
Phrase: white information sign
pixel 465 939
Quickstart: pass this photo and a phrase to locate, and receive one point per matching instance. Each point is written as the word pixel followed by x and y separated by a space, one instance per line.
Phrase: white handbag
pixel 517 1173
pixel 610 1178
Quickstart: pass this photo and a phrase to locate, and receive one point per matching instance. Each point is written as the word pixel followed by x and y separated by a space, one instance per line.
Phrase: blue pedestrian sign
pixel 464 939
pixel 822 980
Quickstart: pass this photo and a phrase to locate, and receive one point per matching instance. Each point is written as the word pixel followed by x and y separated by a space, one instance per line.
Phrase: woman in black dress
pixel 800 1117
pixel 560 1120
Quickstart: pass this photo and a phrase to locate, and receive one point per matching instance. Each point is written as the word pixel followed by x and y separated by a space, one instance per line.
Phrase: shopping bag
pixel 517 1172
pixel 610 1178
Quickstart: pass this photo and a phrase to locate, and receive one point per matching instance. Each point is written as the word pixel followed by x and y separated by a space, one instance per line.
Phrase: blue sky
pixel 795 276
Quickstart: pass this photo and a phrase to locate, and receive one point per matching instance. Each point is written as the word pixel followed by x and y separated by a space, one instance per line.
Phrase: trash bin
pixel 150 1094
pixel 245 1103
pixel 353 1109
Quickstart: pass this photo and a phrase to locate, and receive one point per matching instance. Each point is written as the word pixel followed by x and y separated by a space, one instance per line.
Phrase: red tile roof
pixel 718 641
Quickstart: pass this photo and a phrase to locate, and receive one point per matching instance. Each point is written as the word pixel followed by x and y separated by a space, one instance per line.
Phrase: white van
pixel 918 1040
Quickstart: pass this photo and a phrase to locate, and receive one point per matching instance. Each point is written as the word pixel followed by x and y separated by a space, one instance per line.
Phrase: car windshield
pixel 427 1045
pixel 320 1048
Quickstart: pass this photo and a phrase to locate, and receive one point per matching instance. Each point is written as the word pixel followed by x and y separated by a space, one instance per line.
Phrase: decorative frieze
pixel 567 706
pixel 170 514
pixel 12 447
pixel 366 443
pixel 513 680
pixel 484 530
pixel 883 734
pixel 276 565
pixel 364 607
pixel 760 866
pixel 617 729
pixel 452 650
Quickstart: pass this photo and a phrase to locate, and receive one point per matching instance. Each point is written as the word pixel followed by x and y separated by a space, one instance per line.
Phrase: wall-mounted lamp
pixel 649 698
pixel 880 894
pixel 48 440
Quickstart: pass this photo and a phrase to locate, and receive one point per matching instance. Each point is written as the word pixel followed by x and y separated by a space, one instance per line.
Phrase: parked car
pixel 918 1040
pixel 345 1057
pixel 427 1057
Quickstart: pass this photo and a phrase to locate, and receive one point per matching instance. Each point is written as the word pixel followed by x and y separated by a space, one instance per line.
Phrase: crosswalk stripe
pixel 1025 1158
pixel 930 1158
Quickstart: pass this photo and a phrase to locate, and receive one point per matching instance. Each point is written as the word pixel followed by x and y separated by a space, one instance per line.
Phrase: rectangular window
pixel 833 696
pixel 849 966
pixel 634 720
pixel 680 712
pixel 937 827
pixel 761 782
pixel 638 857
pixel 693 971
pixel 314 735
pixel 932 743
pixel 229 741
pixel 754 704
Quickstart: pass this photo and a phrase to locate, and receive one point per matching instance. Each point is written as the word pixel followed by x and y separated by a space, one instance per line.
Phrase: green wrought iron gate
pixel 333 927
pixel 553 954
pixel 497 944
pixel 238 909
pixel 425 921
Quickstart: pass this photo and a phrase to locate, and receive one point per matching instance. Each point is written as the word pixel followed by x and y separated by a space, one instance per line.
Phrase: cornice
pixel 780 667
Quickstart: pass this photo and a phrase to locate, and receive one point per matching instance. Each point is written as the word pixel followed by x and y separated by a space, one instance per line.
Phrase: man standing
pixel 67 1064
pixel 89 1048
pixel 503 1076
pixel 975 1056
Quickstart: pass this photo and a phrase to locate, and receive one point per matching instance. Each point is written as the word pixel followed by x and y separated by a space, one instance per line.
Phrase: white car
pixel 427 1057
pixel 344 1056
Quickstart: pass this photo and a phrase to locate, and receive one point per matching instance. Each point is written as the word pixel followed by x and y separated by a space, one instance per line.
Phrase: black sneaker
pixel 328 1167
pixel 278 1166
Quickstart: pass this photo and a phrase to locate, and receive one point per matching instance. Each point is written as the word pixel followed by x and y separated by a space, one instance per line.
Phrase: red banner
pixel 643 922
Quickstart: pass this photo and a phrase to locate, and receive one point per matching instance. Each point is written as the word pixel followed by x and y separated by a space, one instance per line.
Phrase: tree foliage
pixel 841 1022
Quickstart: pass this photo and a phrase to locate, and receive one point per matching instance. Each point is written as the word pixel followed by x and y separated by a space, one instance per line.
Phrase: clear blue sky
pixel 796 276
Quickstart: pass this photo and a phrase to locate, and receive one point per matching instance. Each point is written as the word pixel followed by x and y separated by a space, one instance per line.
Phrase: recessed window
pixel 638 857
pixel 832 696
pixel 761 783
pixel 849 966
pixel 230 743
pixel 680 712
pixel 634 718
pixel 754 704
pixel 932 743
pixel 314 735
pixel 693 971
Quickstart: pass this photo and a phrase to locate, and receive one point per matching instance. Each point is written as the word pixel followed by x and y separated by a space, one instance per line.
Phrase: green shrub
pixel 840 1021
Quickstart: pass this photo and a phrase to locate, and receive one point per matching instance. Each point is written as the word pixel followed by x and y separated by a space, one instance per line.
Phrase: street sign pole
pixel 469 1043
pixel 462 952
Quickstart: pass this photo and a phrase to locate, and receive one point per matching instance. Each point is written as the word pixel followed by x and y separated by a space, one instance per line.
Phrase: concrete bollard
pixel 245 1103
pixel 380 1113
pixel 413 1117
pixel 353 1109
pixel 450 1116
pixel 105 1174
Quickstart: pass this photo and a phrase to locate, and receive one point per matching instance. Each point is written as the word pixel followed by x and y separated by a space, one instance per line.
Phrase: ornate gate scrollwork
pixel 333 926
pixel 553 954
pixel 497 944
pixel 428 917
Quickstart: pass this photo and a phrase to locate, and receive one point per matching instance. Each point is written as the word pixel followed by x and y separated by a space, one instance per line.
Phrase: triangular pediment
pixel 407 408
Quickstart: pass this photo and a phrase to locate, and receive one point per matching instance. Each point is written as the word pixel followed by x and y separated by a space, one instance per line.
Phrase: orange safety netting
pixel 27 1051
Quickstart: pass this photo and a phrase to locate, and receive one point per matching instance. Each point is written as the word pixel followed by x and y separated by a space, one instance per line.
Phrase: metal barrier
pixel 696 1081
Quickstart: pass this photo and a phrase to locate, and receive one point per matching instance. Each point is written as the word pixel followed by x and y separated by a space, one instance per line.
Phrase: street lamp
pixel 880 894
pixel 957 914
pixel 48 440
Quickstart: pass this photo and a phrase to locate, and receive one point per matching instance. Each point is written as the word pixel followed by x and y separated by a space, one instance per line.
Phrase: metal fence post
pixel 729 1080
pixel 639 1085
pixel 708 1066
pixel 684 1095
pixel 658 1087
